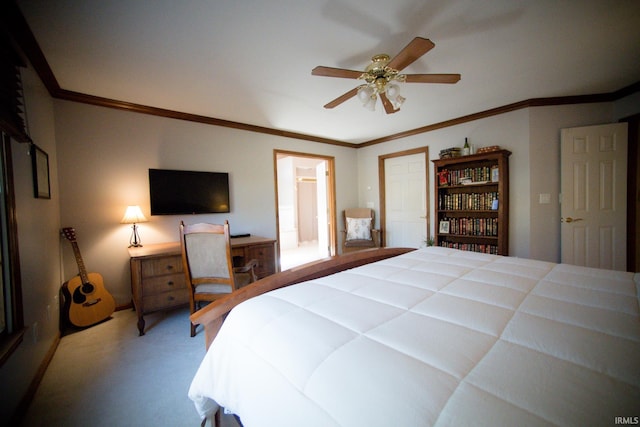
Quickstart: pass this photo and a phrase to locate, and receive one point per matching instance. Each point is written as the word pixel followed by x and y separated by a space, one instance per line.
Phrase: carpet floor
pixel 109 376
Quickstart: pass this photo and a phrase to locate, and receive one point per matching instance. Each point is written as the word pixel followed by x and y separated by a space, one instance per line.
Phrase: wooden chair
pixel 358 230
pixel 208 265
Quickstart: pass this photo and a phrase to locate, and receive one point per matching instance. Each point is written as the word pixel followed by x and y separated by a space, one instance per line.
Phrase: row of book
pixel 473 247
pixel 468 201
pixel 487 227
pixel 456 176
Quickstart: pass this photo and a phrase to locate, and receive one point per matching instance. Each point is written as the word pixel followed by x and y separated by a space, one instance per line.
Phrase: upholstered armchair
pixel 358 230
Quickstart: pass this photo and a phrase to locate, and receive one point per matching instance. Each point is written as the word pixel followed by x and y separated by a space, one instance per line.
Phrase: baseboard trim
pixel 126 306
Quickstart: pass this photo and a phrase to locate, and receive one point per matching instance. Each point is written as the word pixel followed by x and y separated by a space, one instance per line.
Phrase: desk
pixel 157 276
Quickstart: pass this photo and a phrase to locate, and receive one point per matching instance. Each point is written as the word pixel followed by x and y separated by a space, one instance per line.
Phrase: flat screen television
pixel 177 192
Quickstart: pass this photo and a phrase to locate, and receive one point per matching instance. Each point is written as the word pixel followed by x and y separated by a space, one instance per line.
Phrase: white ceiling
pixel 250 61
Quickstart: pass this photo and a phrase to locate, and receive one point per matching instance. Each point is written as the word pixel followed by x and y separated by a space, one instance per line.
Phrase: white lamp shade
pixel 365 93
pixel 371 103
pixel 397 101
pixel 133 215
pixel 393 90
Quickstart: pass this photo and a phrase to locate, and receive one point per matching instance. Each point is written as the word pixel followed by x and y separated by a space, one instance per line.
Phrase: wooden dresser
pixel 157 277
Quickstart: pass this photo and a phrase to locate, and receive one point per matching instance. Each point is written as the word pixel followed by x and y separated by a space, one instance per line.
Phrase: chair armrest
pixel 375 235
pixel 248 268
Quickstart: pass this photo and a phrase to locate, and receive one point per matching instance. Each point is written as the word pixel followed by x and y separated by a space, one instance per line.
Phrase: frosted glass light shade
pixel 393 90
pixel 364 93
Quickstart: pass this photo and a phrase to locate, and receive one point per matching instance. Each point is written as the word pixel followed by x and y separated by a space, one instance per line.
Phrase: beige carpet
pixel 109 376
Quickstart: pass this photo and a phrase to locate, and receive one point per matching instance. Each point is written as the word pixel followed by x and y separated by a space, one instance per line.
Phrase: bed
pixel 425 337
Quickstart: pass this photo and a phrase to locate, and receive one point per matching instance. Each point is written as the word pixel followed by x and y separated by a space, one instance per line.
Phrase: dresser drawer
pixel 165 300
pixel 157 275
pixel 265 254
pixel 162 265
pixel 165 283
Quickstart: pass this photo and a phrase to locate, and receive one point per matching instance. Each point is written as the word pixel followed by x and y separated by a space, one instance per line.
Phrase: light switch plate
pixel 545 198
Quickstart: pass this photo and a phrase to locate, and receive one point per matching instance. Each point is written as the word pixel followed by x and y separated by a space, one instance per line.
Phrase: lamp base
pixel 134 240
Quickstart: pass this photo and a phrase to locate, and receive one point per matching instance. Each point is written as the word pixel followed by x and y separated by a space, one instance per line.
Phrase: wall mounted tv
pixel 176 192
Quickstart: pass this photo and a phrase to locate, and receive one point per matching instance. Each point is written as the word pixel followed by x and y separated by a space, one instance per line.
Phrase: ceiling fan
pixel 382 74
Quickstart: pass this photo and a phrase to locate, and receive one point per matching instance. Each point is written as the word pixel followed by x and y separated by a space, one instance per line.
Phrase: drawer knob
pixel 170 298
pixel 170 283
pixel 169 267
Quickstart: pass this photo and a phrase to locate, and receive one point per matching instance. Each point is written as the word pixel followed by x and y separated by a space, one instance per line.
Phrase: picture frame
pixel 444 227
pixel 495 174
pixel 40 167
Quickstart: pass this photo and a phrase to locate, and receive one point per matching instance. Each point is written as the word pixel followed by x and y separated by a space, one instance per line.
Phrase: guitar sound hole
pixel 87 288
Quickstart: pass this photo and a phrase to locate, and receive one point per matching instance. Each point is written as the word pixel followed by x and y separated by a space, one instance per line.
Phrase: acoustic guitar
pixel 87 302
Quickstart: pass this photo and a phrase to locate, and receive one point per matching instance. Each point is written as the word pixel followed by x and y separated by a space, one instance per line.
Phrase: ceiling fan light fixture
pixel 367 94
pixel 393 90
pixel 393 94
pixel 382 75
pixel 378 64
pixel 370 104
pixel 398 101
pixel 364 93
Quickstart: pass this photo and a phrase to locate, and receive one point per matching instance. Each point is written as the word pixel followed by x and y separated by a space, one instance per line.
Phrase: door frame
pixel 382 190
pixel 633 186
pixel 331 194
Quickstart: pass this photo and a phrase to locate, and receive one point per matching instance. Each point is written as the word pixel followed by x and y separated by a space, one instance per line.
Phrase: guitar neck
pixel 81 268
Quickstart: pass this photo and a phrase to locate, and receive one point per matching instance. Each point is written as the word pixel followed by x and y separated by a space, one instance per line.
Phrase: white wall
pixel 39 249
pixel 104 156
pixel 544 160
pixel 533 137
pixel 509 131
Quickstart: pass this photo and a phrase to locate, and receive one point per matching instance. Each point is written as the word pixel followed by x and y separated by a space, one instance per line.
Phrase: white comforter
pixel 433 337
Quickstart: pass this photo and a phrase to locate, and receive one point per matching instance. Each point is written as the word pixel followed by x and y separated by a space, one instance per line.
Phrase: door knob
pixel 569 219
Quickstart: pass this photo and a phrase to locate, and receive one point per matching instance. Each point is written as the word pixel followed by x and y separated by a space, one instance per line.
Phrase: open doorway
pixel 305 207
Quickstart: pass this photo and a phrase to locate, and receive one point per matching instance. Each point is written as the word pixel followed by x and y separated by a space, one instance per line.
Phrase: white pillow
pixel 358 228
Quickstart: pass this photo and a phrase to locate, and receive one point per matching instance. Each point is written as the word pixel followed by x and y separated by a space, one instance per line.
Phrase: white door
pixel 323 209
pixel 405 201
pixel 594 196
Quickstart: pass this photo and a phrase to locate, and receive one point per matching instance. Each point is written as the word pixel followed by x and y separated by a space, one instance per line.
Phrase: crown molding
pixel 533 102
pixel 68 95
pixel 17 26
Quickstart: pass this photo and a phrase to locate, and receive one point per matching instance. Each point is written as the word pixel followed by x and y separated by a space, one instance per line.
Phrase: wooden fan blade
pixel 335 72
pixel 414 50
pixel 388 106
pixel 432 78
pixel 339 100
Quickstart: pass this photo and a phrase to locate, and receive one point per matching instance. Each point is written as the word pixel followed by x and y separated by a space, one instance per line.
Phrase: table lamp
pixel 133 215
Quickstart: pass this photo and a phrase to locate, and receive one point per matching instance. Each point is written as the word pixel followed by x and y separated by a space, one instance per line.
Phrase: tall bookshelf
pixel 472 202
